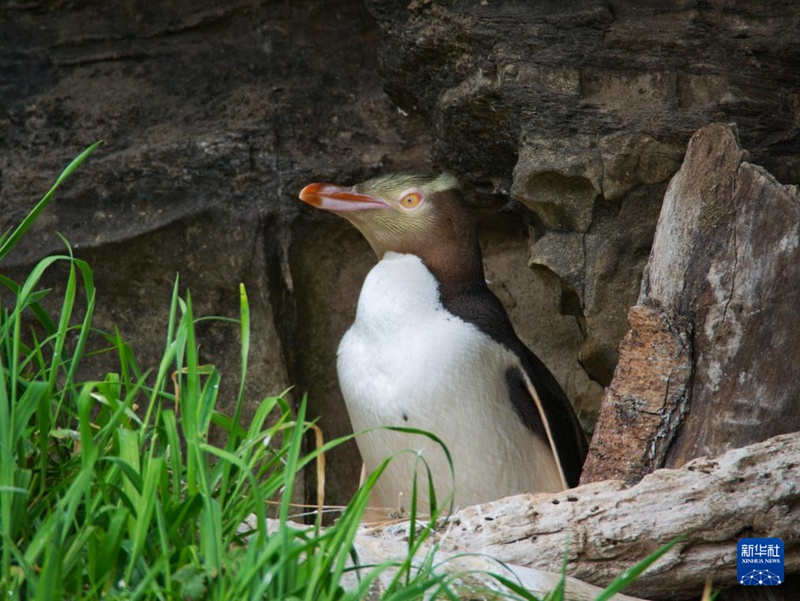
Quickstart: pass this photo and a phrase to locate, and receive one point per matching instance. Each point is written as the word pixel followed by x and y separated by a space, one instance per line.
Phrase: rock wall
pixel 564 121
pixel 592 104
pixel 213 116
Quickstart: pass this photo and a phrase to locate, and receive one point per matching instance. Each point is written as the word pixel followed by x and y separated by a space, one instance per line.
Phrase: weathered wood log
pixel 473 571
pixel 606 527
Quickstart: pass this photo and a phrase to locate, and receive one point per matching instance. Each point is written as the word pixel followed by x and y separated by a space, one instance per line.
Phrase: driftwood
pixel 606 527
pixel 727 257
pixel 472 569
pixel 646 400
pixel 710 362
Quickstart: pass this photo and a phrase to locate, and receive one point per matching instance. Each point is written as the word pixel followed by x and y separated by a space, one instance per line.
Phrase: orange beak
pixel 337 199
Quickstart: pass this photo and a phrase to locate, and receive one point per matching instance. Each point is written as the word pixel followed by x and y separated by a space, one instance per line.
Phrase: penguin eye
pixel 411 200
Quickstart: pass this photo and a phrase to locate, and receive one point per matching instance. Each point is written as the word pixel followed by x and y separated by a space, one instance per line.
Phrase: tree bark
pixel 647 398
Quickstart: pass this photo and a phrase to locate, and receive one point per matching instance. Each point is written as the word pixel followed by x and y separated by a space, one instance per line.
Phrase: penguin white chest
pixel 409 362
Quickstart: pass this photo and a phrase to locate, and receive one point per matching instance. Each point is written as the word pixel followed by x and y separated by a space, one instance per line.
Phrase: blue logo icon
pixel 759 561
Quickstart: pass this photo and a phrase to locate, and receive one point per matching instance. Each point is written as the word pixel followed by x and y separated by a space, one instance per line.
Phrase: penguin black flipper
pixel 535 393
pixel 562 428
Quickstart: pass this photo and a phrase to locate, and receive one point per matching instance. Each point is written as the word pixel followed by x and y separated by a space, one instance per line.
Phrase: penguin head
pixel 414 213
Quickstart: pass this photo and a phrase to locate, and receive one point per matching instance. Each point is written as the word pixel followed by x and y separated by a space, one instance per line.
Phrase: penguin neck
pixel 458 270
pixel 456 264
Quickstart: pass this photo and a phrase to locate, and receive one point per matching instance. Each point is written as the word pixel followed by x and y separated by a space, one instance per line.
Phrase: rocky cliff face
pixel 581 112
pixel 565 121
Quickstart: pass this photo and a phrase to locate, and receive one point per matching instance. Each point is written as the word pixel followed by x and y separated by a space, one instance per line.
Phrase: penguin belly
pixel 407 361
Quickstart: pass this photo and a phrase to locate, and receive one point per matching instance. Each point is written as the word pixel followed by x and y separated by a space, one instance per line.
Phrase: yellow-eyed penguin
pixel 432 348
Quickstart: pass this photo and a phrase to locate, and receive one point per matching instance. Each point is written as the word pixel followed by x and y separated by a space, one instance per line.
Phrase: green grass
pixel 113 487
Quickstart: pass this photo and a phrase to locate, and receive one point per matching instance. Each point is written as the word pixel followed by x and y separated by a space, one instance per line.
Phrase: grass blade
pixel 9 241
